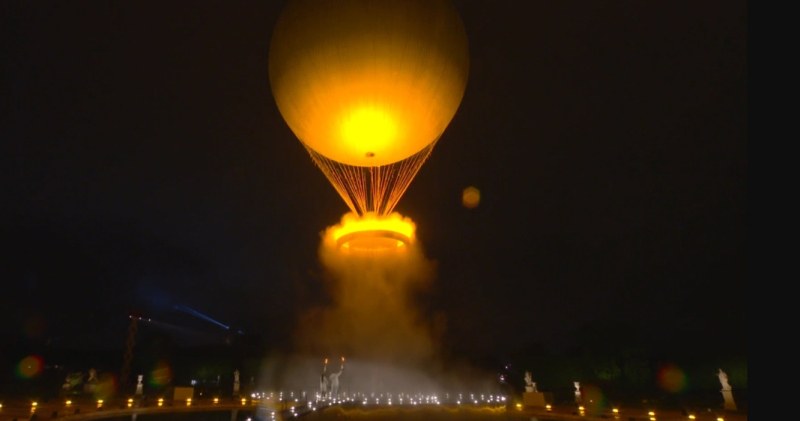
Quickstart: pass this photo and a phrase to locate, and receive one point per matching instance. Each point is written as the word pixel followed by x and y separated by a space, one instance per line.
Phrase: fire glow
pixel 371 232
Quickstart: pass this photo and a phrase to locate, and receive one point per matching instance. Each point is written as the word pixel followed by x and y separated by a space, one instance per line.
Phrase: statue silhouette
pixel 723 380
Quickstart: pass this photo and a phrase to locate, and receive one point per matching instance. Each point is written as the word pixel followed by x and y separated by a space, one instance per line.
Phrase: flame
pixel 372 232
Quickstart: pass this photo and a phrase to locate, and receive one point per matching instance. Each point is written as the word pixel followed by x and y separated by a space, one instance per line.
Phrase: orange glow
pixel 372 85
pixel 368 129
pixel 368 88
pixel 161 374
pixel 471 197
pixel 371 233
pixel 672 378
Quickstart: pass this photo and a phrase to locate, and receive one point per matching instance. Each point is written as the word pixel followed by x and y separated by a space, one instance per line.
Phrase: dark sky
pixel 145 165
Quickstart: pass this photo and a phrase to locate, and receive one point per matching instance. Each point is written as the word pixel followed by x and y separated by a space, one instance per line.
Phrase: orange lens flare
pixel 30 366
pixel 471 197
pixel 672 378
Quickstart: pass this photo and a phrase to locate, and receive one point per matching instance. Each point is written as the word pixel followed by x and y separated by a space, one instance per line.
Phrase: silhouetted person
pixel 323 380
pixel 333 378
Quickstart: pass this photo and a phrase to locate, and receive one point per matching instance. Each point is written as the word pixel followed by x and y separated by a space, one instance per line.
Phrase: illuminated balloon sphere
pixel 368 87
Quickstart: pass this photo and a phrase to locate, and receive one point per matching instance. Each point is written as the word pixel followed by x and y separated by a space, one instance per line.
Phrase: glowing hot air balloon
pixel 368 87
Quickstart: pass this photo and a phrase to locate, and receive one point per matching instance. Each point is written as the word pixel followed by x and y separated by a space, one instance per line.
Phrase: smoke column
pixel 373 319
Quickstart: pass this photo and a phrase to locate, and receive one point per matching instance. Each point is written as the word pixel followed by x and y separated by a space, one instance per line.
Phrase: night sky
pixel 144 165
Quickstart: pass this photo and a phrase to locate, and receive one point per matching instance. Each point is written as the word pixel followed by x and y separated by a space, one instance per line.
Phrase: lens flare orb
pixel 30 366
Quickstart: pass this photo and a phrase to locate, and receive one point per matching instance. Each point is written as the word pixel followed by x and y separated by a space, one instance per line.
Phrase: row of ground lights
pixel 549 408
pixel 615 411
pixel 100 402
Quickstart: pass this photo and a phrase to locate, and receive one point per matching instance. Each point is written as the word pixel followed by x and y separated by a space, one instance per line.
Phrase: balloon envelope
pixel 368 83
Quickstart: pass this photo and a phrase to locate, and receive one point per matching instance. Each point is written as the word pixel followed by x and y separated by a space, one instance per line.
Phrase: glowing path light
pixel 368 88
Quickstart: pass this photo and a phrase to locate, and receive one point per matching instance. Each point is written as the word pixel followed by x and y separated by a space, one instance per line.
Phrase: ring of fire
pixel 372 240
pixel 373 233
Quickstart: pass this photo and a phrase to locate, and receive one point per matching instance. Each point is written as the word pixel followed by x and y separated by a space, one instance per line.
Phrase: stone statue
pixel 73 380
pixel 92 376
pixel 727 393
pixel 91 383
pixel 530 385
pixel 723 380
